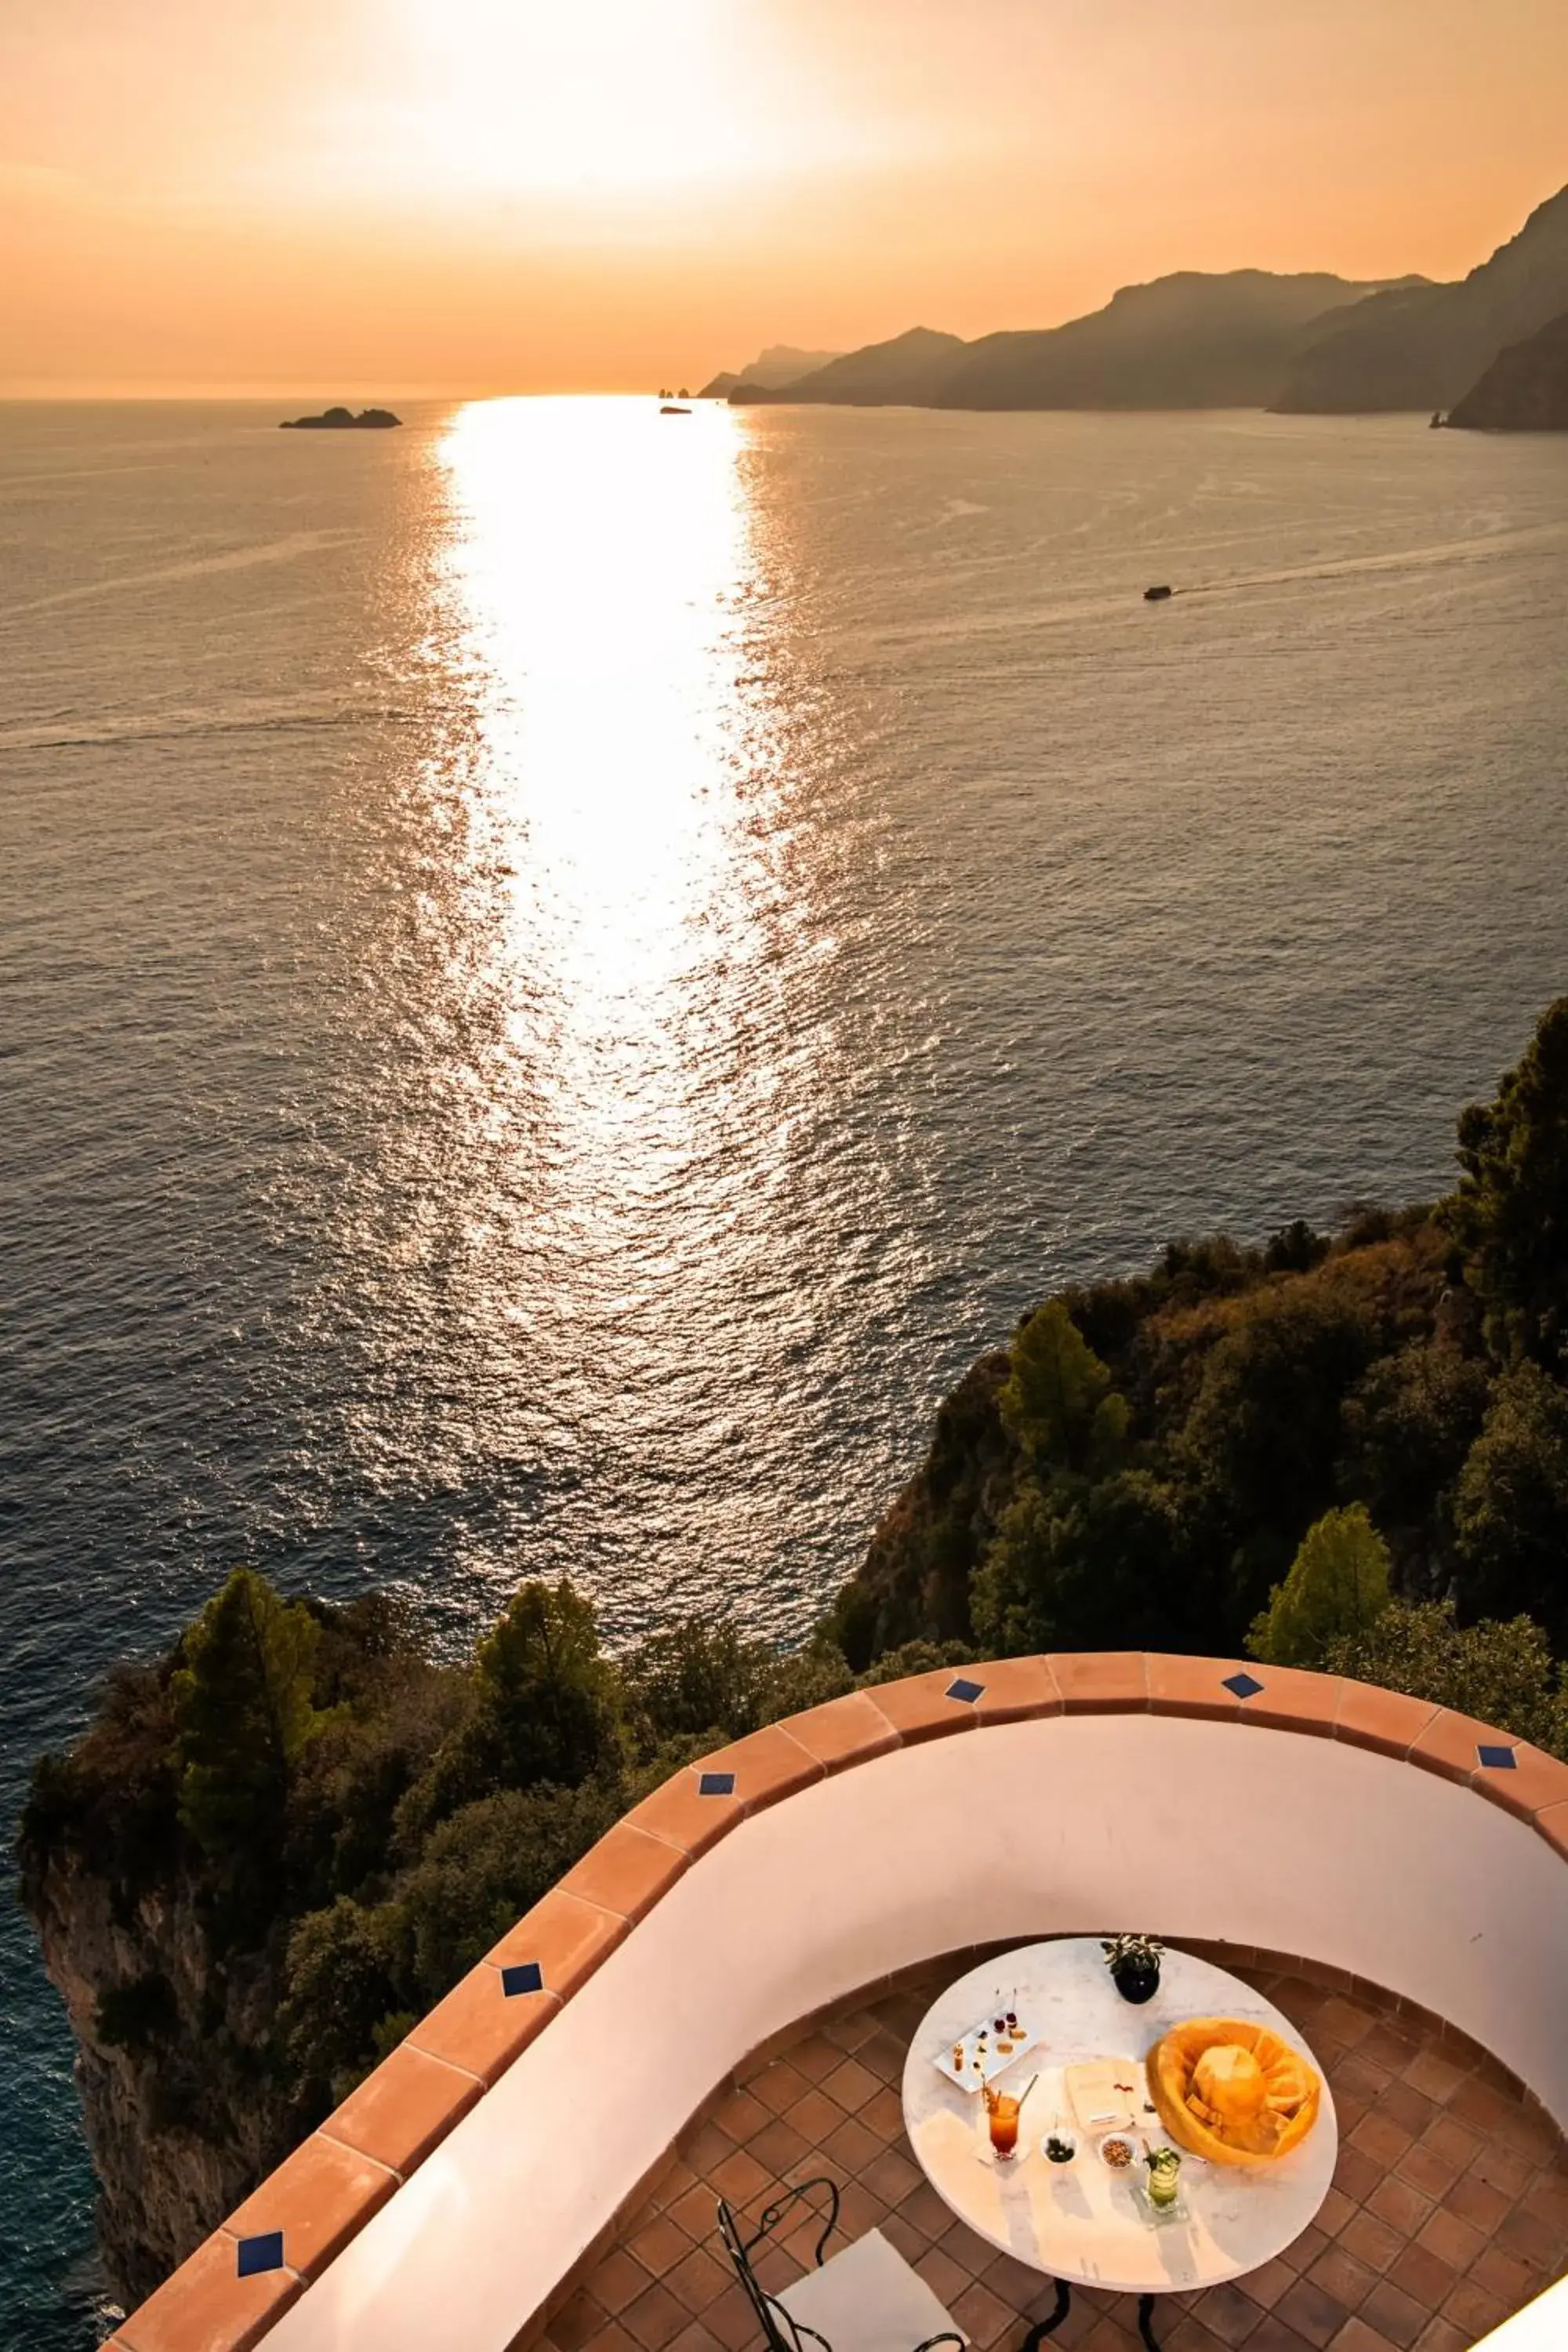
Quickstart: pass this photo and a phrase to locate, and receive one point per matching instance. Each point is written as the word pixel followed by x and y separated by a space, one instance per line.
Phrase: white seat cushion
pixel 867 2299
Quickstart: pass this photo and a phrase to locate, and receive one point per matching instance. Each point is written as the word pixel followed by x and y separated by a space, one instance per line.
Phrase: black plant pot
pixel 1136 1981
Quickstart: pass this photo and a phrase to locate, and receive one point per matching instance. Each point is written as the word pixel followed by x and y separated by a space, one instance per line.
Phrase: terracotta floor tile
pixel 847 2032
pixel 815 2057
pixel 1339 2274
pixel 1423 2276
pixel 659 2246
pixel 1476 2201
pixel 894 2176
pixel 1395 2313
pixel 1501 2168
pixel 850 2148
pixel 1304 2252
pixel 1438 2076
pixel 1335 2211
pixel 655 2319
pixel 1276 2334
pixel 1535 2242
pixel 1311 2312
pixel 1356 2335
pixel 1385 2142
pixel 732 2320
pixel 1372 2241
pixel 944 2277
pixel 1441 2336
pixel 852 2085
pixel 695 2339
pixel 1470 2308
pixel 1356 2174
pixel 813 2116
pixel 577 2322
pixel 1267 2285
pixel 1399 2204
pixel 613 2337
pixel 1513 2282
pixel 742 2178
pixel 1452 2239
pixel 698 2280
pixel 1428 2170
pixel 617 2281
pixel 1228 2314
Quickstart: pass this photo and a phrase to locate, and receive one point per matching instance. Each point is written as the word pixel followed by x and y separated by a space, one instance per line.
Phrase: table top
pixel 1081 2221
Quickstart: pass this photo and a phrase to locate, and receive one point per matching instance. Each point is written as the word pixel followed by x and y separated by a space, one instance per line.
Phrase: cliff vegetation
pixel 278 1844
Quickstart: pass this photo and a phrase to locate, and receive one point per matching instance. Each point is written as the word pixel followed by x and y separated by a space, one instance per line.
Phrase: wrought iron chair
pixel 865 2298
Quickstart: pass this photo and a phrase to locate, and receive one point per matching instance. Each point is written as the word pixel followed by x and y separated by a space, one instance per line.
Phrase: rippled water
pixel 562 971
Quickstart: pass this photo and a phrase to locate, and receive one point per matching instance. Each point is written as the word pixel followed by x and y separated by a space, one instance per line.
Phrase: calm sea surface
pixel 562 972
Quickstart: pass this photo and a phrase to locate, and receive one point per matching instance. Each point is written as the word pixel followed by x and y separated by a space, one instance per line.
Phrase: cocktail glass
pixel 1165 2165
pixel 1002 2118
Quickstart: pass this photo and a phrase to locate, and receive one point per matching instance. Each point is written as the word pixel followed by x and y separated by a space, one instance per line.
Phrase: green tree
pixel 696 1676
pixel 1408 1426
pixel 1510 1212
pixel 546 1708
pixel 1111 1565
pixel 1058 1402
pixel 1337 1586
pixel 1499 1670
pixel 1511 1505
pixel 243 1715
pixel 345 1972
pixel 1264 1429
pixel 487 1865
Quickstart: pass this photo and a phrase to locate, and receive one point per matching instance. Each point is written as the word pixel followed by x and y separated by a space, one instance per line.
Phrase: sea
pixel 565 969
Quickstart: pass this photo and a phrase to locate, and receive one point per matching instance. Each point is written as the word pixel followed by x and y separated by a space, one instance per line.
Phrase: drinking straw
pixel 1025 2091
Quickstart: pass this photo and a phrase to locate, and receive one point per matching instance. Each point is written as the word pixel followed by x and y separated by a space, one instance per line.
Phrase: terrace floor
pixel 1449 2208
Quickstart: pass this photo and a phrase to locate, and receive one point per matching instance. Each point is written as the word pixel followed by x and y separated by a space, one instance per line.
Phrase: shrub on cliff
pixel 1510 1214
pixel 1500 1671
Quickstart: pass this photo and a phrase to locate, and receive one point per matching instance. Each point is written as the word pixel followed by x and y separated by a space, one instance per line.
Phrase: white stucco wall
pixel 1066 1823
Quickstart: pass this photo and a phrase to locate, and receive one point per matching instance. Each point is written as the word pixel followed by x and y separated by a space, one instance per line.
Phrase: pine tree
pixel 243 1713
pixel 1337 1587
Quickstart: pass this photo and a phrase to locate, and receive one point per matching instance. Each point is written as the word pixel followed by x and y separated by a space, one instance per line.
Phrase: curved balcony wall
pixel 457 2190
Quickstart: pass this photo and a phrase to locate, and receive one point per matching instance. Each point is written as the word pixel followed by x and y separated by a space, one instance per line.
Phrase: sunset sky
pixel 470 194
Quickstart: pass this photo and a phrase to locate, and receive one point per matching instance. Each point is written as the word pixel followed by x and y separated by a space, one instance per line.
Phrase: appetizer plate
pixel 986 2050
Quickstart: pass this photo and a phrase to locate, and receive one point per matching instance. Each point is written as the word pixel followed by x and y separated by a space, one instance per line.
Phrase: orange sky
pixel 336 195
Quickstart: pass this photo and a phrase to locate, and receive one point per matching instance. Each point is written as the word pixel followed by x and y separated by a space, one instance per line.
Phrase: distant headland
pixel 341 420
pixel 1305 344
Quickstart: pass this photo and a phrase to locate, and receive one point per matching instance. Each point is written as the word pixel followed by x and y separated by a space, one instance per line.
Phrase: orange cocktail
pixel 1002 2115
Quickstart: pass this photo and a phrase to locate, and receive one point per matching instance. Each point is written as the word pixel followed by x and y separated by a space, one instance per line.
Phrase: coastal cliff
pixel 279 1843
pixel 1525 390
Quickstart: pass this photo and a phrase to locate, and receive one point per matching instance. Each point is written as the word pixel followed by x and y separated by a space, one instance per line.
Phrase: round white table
pixel 1081 2224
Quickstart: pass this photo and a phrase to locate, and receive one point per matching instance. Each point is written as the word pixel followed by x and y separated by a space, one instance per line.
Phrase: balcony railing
pixel 459 2192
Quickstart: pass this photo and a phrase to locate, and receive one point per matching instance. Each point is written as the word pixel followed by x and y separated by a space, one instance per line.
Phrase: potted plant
pixel 1134 1965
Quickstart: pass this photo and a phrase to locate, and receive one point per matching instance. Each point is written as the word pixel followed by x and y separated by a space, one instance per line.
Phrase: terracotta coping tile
pixel 848 1731
pixel 403 2110
pixel 319 2198
pixel 766 1765
pixel 918 1708
pixel 565 1937
pixel 1293 1699
pixel 1015 1690
pixel 478 2028
pixel 1385 1720
pixel 1554 1826
pixel 1450 1742
pixel 1536 1782
pixel 1101 1681
pixel 207 2306
pixel 1179 1685
pixel 686 1820
pixel 628 1870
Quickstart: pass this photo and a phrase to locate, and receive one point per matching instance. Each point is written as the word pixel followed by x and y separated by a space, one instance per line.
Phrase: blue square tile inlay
pixel 1501 1759
pixel 525 1976
pixel 1245 1685
pixel 716 1784
pixel 964 1688
pixel 263 2253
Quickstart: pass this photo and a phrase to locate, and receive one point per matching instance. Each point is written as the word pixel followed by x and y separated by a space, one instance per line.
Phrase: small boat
pixel 672 408
pixel 1155 595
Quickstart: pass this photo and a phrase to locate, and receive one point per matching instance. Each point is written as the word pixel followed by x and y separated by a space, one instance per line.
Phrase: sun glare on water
pixel 600 565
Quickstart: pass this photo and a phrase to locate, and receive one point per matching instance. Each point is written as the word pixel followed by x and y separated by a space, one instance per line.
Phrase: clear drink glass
pixel 1002 2118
